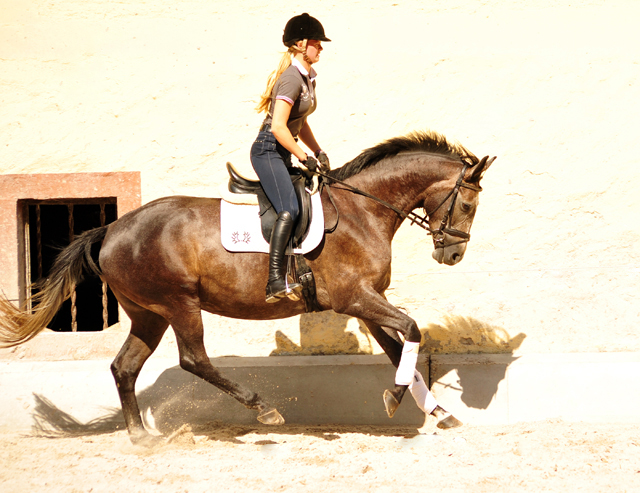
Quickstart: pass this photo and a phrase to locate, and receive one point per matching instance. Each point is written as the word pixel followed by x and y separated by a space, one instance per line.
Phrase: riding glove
pixel 310 163
pixel 324 160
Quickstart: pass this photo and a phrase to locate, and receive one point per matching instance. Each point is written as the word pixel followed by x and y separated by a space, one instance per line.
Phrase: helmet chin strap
pixel 303 50
pixel 306 58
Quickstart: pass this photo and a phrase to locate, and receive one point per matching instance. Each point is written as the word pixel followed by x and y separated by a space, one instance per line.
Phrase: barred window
pixel 50 226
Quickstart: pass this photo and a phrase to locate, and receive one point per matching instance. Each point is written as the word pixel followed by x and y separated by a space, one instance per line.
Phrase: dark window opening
pixel 52 226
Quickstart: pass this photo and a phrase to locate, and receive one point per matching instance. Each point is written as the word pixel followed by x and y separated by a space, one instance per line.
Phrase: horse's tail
pixel 18 326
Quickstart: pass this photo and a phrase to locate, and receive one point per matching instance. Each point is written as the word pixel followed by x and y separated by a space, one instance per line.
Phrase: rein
pixel 422 221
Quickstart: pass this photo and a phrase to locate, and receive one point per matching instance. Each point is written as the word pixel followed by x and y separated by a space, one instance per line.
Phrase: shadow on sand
pixel 470 357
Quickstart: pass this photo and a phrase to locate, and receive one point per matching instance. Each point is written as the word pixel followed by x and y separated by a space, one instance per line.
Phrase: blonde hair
pixel 285 63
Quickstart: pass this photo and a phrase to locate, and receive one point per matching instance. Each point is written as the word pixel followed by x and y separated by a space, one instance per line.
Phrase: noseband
pixel 423 221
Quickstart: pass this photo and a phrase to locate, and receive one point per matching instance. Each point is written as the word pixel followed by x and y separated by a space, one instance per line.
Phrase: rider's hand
pixel 310 163
pixel 324 160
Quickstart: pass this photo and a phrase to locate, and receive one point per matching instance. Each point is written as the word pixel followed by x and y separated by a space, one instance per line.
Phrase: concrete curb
pixel 478 389
pixel 305 389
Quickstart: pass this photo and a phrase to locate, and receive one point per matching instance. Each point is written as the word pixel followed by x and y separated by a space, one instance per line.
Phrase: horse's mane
pixel 425 141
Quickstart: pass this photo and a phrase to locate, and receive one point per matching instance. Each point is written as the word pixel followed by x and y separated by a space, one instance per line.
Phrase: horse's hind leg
pixel 147 329
pixel 193 358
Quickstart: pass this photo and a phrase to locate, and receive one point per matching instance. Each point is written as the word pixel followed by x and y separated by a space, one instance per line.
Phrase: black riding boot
pixel 277 286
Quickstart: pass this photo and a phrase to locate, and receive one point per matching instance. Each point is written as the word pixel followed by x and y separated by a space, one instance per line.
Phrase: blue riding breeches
pixel 270 161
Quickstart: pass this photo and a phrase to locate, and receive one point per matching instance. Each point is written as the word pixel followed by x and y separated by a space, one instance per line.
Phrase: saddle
pixel 301 181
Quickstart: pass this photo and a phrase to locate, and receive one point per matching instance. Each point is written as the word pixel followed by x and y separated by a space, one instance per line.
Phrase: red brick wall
pixel 124 186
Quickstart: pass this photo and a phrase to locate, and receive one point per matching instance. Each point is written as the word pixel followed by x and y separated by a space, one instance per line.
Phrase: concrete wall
pixel 551 87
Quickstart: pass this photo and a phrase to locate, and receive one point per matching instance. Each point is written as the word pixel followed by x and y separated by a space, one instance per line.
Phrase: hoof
pixel 390 403
pixel 270 417
pixel 448 421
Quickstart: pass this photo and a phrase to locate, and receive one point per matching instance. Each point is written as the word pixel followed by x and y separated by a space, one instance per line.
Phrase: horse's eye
pixel 465 207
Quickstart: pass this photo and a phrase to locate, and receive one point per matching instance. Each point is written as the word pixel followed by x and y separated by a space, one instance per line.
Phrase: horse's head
pixel 451 217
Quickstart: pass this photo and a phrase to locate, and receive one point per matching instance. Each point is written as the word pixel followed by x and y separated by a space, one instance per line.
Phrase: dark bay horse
pixel 165 263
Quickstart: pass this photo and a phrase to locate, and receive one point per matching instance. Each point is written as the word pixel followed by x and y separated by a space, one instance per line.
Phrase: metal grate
pixel 52 225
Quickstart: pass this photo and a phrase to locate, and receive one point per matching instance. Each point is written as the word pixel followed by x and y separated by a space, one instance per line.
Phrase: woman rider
pixel 288 100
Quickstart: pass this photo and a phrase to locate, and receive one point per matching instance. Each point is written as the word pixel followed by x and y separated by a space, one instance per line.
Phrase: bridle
pixel 445 227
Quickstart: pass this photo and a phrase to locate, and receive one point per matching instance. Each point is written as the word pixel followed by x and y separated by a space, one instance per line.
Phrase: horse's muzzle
pixel 449 255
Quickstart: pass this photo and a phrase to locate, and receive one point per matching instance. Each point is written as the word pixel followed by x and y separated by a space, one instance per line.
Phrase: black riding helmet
pixel 303 26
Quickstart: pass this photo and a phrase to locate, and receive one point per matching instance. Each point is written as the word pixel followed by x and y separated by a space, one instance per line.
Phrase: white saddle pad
pixel 241 230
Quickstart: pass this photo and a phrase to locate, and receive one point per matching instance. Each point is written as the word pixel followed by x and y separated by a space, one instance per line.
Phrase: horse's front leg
pixel 392 345
pixel 376 312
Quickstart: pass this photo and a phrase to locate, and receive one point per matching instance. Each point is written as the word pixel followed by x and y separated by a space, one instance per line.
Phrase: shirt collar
pixel 311 73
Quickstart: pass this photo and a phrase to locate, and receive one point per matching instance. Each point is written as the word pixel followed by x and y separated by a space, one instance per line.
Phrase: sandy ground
pixel 543 456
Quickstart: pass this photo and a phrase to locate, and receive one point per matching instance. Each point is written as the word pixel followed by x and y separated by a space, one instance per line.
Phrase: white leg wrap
pixel 408 360
pixel 420 392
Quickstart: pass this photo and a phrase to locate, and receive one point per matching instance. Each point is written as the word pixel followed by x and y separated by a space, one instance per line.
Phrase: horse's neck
pixel 405 180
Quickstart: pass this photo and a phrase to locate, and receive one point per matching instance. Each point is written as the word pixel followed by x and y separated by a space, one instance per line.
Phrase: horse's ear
pixel 480 168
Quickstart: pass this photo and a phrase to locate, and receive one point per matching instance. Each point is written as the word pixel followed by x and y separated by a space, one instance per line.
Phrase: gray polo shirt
pixel 298 88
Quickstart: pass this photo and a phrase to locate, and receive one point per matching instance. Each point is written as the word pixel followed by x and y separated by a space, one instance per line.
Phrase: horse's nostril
pixel 455 257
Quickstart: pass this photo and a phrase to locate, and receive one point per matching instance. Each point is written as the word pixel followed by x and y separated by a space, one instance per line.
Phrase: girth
pixel 268 215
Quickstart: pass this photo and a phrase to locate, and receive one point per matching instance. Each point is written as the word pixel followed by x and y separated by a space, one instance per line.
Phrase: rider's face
pixel 314 47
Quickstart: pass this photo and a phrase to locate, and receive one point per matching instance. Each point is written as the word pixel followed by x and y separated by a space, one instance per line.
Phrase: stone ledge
pixel 479 389
pixel 305 389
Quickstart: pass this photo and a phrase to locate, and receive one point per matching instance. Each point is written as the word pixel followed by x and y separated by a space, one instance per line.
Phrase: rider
pixel 288 100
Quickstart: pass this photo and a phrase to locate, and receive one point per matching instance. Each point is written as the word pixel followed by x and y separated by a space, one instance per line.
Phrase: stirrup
pixel 294 291
pixel 291 291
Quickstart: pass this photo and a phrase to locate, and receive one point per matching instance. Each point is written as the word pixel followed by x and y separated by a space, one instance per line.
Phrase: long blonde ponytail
pixel 285 63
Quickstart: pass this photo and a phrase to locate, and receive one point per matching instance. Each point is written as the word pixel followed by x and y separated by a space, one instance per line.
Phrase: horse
pixel 165 263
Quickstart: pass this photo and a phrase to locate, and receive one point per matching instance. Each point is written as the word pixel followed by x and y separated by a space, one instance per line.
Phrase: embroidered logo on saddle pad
pixel 241 230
